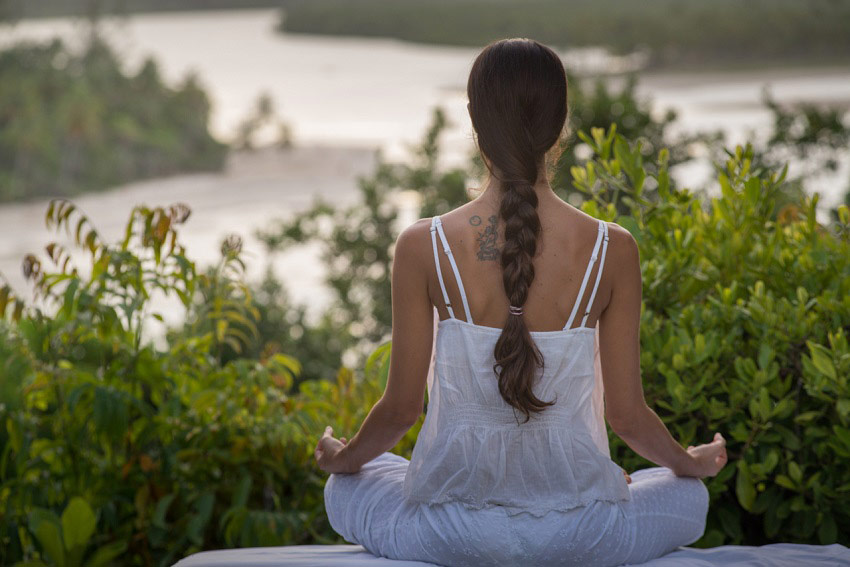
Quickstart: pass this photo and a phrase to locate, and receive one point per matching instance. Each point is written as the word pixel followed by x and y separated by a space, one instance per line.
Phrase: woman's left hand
pixel 628 478
pixel 330 456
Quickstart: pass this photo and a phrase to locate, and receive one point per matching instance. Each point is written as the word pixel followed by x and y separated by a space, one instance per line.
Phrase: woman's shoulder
pixel 622 251
pixel 621 242
pixel 414 233
pixel 623 257
pixel 414 241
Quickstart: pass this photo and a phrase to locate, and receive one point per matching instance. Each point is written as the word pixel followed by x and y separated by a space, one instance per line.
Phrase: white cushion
pixel 773 555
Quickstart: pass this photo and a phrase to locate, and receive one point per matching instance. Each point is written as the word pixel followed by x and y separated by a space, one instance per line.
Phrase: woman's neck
pixel 492 195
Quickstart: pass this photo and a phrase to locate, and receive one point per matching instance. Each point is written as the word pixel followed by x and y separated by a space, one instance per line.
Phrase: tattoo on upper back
pixel 486 238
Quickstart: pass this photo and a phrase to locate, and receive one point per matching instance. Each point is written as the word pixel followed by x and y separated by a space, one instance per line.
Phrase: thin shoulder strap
pixel 600 233
pixel 598 274
pixel 437 264
pixel 448 252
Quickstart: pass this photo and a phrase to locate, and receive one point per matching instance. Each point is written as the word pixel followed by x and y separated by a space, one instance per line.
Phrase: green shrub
pixel 114 451
pixel 170 450
pixel 743 330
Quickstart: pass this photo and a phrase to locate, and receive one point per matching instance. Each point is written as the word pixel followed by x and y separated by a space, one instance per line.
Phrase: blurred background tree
pixel 78 122
pixel 721 33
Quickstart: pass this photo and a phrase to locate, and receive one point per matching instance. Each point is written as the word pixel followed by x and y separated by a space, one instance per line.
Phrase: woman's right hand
pixel 707 459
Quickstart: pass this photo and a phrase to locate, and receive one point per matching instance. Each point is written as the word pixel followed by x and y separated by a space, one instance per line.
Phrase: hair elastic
pixel 514 310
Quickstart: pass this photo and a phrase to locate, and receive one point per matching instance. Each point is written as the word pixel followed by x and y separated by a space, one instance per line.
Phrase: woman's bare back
pixel 475 234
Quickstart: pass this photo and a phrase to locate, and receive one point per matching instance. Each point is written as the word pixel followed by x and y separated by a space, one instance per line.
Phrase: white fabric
pixel 773 555
pixel 438 225
pixel 663 512
pixel 603 228
pixel 440 273
pixel 599 432
pixel 476 449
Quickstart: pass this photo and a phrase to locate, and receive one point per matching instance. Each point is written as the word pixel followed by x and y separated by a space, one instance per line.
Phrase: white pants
pixel 368 508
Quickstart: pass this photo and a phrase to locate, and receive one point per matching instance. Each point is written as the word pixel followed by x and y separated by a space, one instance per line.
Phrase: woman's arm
pixel 412 337
pixel 625 406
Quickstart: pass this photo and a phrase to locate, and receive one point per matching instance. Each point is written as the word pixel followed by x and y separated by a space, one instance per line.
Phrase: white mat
pixel 774 555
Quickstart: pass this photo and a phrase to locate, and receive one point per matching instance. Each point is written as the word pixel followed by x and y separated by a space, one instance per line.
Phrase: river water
pixel 344 98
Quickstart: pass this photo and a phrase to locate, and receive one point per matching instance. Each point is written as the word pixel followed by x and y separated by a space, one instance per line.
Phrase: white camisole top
pixel 475 448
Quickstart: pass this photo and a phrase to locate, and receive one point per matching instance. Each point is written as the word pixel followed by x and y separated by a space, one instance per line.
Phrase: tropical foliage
pixel 743 330
pixel 117 451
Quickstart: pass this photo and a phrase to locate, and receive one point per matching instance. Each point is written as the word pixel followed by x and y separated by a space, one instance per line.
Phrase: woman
pixel 512 465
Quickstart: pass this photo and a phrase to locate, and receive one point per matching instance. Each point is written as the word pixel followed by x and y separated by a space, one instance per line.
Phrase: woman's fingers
pixel 319 449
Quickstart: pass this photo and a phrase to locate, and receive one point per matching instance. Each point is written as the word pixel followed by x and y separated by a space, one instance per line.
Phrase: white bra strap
pixel 598 274
pixel 448 252
pixel 439 271
pixel 586 274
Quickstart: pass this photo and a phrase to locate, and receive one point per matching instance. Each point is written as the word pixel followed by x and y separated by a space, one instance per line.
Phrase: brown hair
pixel 517 93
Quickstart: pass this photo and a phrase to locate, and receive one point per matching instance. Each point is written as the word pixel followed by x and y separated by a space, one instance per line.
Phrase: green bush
pixel 743 330
pixel 116 451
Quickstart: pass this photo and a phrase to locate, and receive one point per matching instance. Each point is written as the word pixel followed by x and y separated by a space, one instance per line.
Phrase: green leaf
pixel 744 489
pixel 199 520
pixel 795 472
pixel 752 190
pixel 822 359
pixel 243 490
pixel 289 363
pixel 807 416
pixel 78 523
pixel 158 518
pixel 730 520
pixel 828 530
pixel 725 187
pixel 843 434
pixel 772 523
pixel 47 530
pixel 765 355
pixel 105 554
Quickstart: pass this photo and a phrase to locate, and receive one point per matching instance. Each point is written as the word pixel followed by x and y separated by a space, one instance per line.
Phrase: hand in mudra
pixel 329 455
pixel 709 458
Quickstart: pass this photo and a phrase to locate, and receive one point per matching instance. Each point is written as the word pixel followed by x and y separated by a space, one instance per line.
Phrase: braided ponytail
pixel 516 353
pixel 518 104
